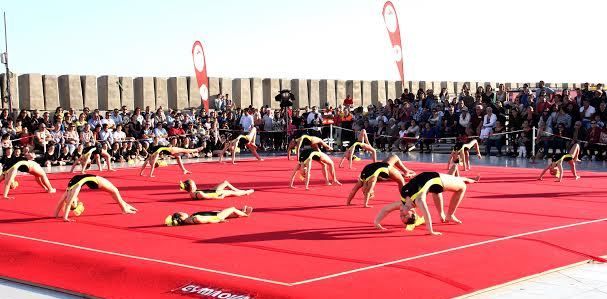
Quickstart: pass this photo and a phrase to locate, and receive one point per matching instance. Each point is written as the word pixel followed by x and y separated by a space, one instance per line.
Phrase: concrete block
pixel 458 86
pixel 340 92
pixel 89 91
pixel 314 93
pixel 225 84
pixel 144 92
pixel 161 94
pixel 366 93
pixel 391 90
pixel 425 85
pixel 70 92
pixel 271 87
pixel 256 92
pixel 450 86
pixel 299 87
pixel 511 86
pixel 415 86
pixel 177 90
pixel 214 87
pixel 378 93
pixel 127 92
pixel 194 100
pixel 108 92
pixel 50 86
pixel 241 88
pixel 31 94
pixel 327 93
pixel 399 88
pixel 353 88
pixel 436 87
pixel 285 84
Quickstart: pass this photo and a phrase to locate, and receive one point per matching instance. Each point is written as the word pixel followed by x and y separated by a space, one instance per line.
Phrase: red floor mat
pixel 298 244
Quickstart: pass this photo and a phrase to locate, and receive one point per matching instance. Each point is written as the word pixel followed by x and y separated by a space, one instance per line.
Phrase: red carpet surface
pixel 297 243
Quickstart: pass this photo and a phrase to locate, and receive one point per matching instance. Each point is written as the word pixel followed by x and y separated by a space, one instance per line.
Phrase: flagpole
pixel 7 74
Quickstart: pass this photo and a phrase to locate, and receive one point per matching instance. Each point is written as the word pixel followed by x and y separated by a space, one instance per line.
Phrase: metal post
pixel 534 136
pixel 331 142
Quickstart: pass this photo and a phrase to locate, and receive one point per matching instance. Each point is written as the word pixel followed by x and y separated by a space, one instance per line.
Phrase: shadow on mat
pixel 31 219
pixel 341 233
pixel 148 187
pixel 545 195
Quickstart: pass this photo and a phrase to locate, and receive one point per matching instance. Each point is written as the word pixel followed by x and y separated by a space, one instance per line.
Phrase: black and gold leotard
pixel 242 140
pixel 207 216
pixel 376 169
pixel 307 154
pixel 20 163
pixel 353 146
pixel 305 140
pixel 209 193
pixel 423 182
pixel 90 180
pixel 158 149
pixel 91 150
pixel 557 158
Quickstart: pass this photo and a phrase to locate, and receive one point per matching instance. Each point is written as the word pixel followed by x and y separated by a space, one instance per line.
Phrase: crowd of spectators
pixel 413 121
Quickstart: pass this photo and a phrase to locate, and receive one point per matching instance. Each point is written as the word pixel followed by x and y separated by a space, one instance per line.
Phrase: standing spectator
pixel 246 121
pixel 348 102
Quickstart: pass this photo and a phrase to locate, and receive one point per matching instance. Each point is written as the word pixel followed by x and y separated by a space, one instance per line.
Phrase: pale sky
pixel 466 40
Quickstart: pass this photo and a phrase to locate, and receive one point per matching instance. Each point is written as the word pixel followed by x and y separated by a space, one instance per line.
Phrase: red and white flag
pixel 391 20
pixel 200 67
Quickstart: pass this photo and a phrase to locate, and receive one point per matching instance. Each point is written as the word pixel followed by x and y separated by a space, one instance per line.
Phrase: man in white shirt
pixel 161 133
pixel 118 135
pixel 246 121
pixel 464 120
pixel 586 113
pixel 488 123
pixel 106 135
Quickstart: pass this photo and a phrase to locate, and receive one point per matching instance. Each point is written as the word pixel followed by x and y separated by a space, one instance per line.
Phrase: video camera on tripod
pixel 285 97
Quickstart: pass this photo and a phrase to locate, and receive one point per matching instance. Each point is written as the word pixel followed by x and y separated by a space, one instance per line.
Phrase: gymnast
pixel 414 193
pixel 363 143
pixel 70 202
pixel 156 150
pixel 306 140
pixel 95 152
pixel 389 168
pixel 240 141
pixel 304 166
pixel 555 165
pixel 461 154
pixel 20 164
pixel 220 191
pixel 181 218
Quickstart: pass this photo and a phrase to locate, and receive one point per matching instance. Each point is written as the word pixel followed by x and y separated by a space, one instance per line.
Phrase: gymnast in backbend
pixel 461 154
pixel 70 202
pixel 306 140
pixel 390 168
pixel 304 166
pixel 414 193
pixel 156 150
pixel 238 142
pixel 207 217
pixel 555 165
pixel 363 144
pixel 20 164
pixel 93 152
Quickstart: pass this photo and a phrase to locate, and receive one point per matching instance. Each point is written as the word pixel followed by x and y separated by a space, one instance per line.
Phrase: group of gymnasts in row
pixel 307 148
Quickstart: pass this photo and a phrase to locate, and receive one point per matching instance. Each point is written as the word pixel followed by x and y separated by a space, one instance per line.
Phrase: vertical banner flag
pixel 200 67
pixel 391 21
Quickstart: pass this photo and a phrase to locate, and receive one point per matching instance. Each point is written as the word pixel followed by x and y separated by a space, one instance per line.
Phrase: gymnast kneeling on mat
pixel 389 168
pixel 220 191
pixel 156 150
pixel 363 144
pixel 20 164
pixel 306 140
pixel 304 166
pixel 414 193
pixel 555 165
pixel 238 142
pixel 70 202
pixel 181 218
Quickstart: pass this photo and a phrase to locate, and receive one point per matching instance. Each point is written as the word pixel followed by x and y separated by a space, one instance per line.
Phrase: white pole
pixel 533 142
pixel 331 135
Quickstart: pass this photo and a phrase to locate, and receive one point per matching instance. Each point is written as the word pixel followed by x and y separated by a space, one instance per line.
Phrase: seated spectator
pixel 496 139
pixel 428 136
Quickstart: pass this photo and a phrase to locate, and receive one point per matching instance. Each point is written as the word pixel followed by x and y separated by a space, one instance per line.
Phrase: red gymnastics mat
pixel 297 243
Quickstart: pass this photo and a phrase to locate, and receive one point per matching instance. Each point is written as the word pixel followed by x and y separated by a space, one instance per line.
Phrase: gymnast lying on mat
pixel 181 218
pixel 220 191
pixel 461 154
pixel 20 164
pixel 389 168
pixel 70 202
pixel 304 166
pixel 414 193
pixel 555 165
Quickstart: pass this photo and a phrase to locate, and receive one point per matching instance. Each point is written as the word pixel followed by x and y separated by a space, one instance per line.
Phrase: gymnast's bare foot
pixel 452 218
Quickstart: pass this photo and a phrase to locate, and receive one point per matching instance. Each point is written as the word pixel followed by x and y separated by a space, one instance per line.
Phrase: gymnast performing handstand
pixel 220 191
pixel 389 168
pixel 207 217
pixel 306 140
pixel 95 152
pixel 555 165
pixel 414 193
pixel 70 202
pixel 304 166
pixel 240 141
pixel 156 150
pixel 15 165
pixel 363 143
pixel 461 154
